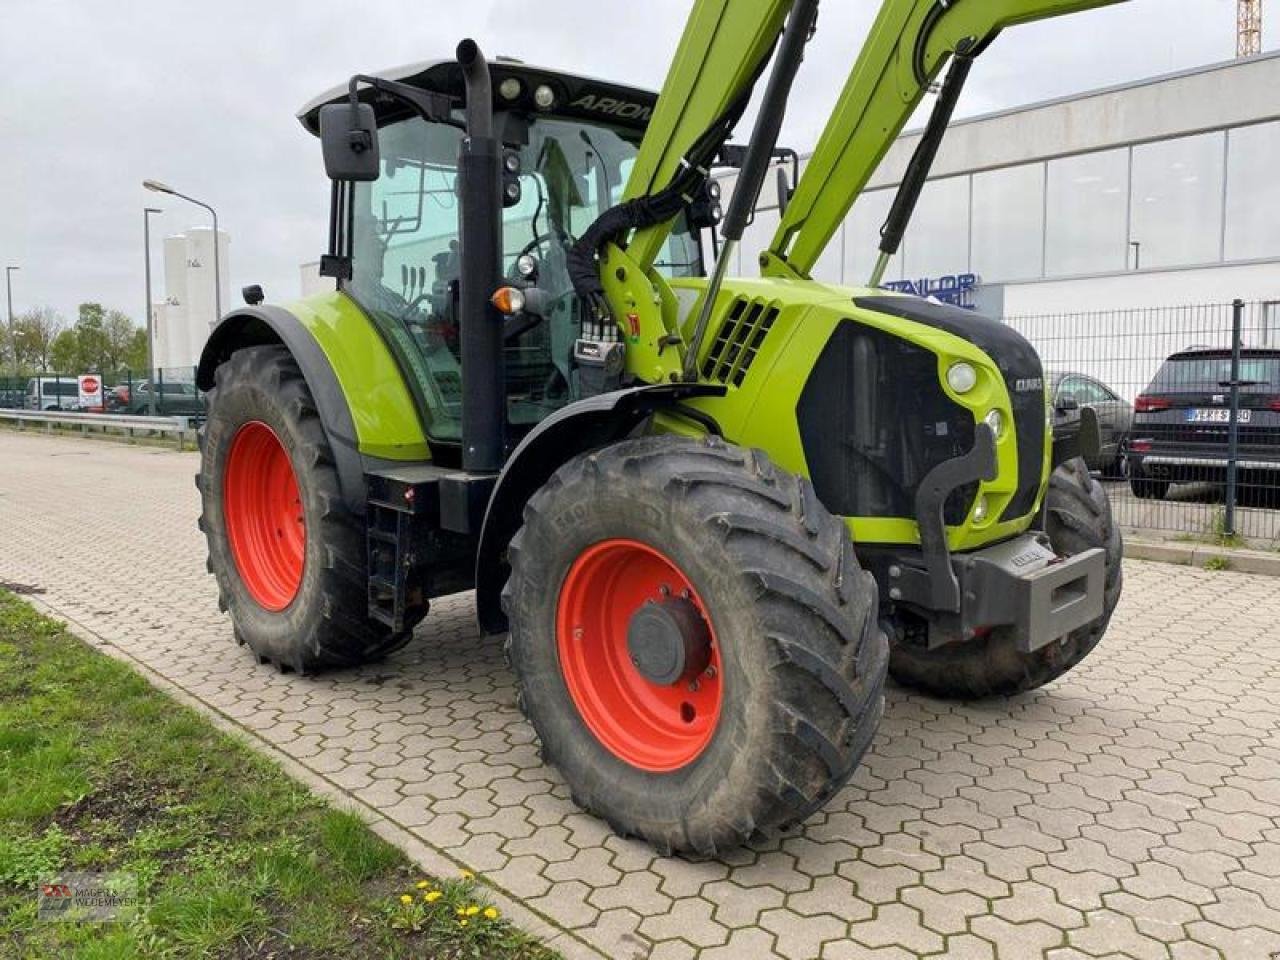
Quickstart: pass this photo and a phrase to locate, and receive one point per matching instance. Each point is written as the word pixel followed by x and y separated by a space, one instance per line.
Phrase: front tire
pixel 1077 517
pixel 779 659
pixel 288 555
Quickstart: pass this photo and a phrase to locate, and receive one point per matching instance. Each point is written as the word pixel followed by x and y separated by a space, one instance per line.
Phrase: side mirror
pixel 349 140
pixel 1067 403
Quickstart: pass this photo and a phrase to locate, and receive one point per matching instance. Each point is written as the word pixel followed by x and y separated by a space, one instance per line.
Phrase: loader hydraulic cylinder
pixel 904 204
pixel 755 166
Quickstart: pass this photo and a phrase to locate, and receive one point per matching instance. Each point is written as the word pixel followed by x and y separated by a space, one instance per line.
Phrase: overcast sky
pixel 95 97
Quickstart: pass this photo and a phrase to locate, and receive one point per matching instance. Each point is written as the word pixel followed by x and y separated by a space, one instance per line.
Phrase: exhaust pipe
pixel 484 401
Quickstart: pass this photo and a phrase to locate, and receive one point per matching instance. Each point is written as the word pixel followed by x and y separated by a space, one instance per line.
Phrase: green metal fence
pixel 162 392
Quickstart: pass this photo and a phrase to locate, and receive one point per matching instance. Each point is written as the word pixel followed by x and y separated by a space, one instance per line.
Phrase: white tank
pixel 201 301
pixel 177 352
pixel 159 333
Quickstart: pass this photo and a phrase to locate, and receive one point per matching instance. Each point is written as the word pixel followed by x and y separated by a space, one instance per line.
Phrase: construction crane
pixel 1248 28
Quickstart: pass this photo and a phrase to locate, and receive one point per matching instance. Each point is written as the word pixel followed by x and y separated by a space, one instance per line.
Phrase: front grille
pixel 1019 365
pixel 874 420
pixel 741 335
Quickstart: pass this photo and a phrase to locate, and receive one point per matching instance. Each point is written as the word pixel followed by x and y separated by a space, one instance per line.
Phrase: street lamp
pixel 159 187
pixel 151 360
pixel 8 286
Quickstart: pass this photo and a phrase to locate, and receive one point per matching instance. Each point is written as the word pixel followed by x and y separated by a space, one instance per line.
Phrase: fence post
pixel 1233 426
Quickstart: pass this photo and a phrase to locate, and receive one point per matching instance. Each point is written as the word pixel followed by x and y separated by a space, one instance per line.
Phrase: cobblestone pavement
pixel 1131 809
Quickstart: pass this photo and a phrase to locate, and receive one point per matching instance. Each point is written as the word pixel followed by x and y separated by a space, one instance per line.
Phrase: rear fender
pixel 577 428
pixel 258 325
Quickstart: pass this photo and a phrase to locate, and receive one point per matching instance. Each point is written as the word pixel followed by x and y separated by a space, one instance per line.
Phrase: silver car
pixel 1071 391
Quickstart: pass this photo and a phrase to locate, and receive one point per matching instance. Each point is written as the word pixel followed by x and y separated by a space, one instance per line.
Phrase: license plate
pixel 1216 415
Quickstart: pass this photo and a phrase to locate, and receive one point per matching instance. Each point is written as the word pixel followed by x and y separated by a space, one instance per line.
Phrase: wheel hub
pixel 668 640
pixel 262 510
pixel 639 655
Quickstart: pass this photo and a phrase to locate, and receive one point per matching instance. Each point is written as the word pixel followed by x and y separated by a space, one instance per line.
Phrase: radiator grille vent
pixel 739 340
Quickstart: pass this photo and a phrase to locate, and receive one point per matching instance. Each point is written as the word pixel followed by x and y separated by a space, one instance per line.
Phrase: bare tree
pixel 33 336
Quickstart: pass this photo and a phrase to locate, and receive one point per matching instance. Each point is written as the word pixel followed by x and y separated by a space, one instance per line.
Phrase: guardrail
pixel 178 426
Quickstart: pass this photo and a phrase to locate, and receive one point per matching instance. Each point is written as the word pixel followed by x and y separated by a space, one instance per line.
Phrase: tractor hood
pixel 582 98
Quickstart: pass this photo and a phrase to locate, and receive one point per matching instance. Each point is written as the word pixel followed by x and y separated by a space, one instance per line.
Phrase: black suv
pixel 1180 421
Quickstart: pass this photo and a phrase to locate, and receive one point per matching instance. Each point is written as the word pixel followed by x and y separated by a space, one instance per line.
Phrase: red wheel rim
pixel 263 511
pixel 654 727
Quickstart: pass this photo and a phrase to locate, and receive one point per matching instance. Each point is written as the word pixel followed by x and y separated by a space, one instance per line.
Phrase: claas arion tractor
pixel 709 513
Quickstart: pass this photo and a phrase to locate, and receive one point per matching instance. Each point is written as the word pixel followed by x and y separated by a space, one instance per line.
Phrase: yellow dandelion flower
pixel 432 896
pixel 491 913
pixel 461 911
pixel 463 922
pixel 405 898
pixel 467 874
pixel 423 884
pixel 472 911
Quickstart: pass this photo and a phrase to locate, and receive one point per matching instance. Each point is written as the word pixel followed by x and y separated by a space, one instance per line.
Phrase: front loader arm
pixel 909 43
pixel 723 49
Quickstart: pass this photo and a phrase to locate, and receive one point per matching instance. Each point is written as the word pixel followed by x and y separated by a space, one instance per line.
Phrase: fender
pixel 258 325
pixel 571 430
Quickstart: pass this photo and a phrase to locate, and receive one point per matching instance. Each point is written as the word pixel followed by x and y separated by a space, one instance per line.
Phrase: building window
pixel 1086 213
pixel 1008 223
pixel 937 241
pixel 1253 193
pixel 1177 202
pixel 862 238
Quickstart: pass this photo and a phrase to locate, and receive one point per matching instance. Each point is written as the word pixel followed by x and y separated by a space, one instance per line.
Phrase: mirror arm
pixel 431 107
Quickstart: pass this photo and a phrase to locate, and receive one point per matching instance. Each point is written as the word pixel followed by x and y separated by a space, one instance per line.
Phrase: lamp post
pixel 151 360
pixel 159 187
pixel 8 286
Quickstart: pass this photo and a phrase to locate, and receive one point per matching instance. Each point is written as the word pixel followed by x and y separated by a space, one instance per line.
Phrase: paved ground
pixel 1132 809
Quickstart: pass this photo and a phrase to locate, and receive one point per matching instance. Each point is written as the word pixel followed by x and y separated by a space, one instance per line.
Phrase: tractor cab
pixel 568 146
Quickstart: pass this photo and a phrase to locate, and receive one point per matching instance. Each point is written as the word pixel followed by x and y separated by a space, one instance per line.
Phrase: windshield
pixel 1208 373
pixel 407 259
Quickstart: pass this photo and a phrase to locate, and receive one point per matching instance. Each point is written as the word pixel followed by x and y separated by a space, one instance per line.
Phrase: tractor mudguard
pixel 571 430
pixel 254 325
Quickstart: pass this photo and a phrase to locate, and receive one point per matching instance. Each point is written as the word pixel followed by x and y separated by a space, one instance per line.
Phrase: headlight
pixel 980 509
pixel 526 265
pixel 995 420
pixel 544 97
pixel 509 88
pixel 961 377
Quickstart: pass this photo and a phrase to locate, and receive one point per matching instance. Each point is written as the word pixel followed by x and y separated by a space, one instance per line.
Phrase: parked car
pixel 1182 419
pixel 13 398
pixel 172 399
pixel 53 393
pixel 1115 415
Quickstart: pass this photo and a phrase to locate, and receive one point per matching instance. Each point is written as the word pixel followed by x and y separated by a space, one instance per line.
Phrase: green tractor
pixel 653 476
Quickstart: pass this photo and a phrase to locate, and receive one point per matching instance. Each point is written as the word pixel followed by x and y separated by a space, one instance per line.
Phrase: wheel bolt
pixel 577 633
pixel 710 672
pixel 693 686
pixel 664 590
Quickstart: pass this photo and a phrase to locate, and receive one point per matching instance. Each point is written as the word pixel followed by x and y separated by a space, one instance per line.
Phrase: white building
pixel 1162 191
pixel 183 319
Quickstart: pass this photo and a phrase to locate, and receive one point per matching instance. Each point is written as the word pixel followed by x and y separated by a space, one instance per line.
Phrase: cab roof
pixel 584 98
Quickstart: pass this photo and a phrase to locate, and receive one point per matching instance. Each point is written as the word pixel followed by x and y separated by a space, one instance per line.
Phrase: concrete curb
pixel 1190 554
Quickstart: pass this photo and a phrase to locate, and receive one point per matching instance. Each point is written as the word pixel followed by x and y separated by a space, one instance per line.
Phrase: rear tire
pixel 1077 517
pixel 792 624
pixel 1148 488
pixel 306 610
